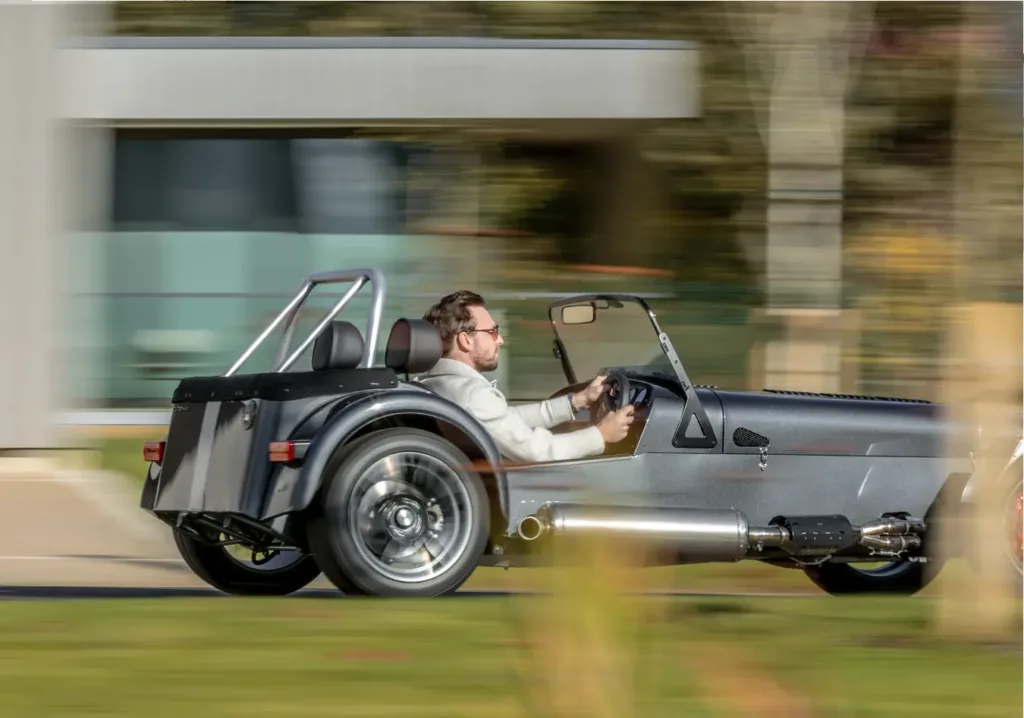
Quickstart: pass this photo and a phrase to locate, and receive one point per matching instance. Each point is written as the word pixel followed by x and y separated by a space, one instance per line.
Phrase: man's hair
pixel 451 315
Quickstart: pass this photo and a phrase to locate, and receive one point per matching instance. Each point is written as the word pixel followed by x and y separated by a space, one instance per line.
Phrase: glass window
pixel 203 184
pixel 345 186
pixel 256 184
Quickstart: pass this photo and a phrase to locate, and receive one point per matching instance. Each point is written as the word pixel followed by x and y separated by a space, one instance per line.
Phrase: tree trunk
pixel 984 356
pixel 799 58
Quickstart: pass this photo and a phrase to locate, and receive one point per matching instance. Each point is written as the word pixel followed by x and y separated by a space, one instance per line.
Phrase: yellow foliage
pixel 904 254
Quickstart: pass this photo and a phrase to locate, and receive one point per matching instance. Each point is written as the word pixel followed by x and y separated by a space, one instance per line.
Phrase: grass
pixel 120 448
pixel 468 657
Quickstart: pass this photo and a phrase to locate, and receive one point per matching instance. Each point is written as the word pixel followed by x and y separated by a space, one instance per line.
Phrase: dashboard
pixel 640 396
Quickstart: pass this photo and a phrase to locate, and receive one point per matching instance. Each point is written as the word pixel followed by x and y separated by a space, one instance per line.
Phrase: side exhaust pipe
pixel 530 528
pixel 724 535
pixel 695 534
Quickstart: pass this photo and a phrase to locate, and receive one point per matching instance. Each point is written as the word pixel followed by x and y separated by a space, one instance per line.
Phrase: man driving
pixel 470 342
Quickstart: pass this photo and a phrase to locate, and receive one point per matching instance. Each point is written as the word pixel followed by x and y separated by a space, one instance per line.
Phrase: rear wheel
pixel 401 513
pixel 244 572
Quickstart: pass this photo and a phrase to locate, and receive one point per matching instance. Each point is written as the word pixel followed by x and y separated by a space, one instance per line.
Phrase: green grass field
pixel 120 449
pixel 469 657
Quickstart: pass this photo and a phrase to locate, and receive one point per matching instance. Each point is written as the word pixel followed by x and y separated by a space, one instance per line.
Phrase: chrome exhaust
pixel 724 535
pixel 891 535
pixel 694 534
pixel 530 528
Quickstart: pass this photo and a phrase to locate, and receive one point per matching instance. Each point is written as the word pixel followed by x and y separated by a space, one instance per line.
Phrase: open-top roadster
pixel 358 472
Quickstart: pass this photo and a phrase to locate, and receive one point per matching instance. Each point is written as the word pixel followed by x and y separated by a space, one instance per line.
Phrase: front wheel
pixel 401 513
pixel 1013 525
pixel 899 577
pixel 1012 546
pixel 244 572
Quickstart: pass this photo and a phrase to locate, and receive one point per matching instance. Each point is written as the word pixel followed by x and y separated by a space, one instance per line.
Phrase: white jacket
pixel 521 432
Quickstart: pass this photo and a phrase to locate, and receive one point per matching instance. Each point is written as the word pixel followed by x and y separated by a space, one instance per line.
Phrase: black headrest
pixel 414 346
pixel 338 346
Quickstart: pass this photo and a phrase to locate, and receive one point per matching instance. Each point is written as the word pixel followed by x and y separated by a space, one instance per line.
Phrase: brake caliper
pixel 1019 527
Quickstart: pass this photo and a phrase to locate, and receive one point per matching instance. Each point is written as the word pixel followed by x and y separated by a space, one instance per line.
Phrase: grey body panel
pixel 804 424
pixel 856 457
pixel 861 489
pixel 295 490
pixel 221 429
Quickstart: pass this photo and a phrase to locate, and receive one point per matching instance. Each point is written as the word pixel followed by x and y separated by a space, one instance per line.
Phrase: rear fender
pixel 353 418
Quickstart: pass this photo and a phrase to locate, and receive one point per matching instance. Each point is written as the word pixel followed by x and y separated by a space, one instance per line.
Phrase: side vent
pixel 747 438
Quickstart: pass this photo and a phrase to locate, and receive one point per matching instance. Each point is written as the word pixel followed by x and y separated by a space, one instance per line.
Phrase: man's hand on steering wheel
pixel 614 425
pixel 588 397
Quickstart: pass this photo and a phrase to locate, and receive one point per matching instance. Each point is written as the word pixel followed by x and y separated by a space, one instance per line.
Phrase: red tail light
pixel 154 451
pixel 282 451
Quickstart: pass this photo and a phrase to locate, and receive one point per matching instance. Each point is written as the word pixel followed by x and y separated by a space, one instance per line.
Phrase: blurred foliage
pixel 903 242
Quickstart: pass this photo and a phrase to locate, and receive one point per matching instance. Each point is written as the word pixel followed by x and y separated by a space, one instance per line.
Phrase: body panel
pixel 861 489
pixel 221 429
pixel 821 425
pixel 295 491
pixel 858 457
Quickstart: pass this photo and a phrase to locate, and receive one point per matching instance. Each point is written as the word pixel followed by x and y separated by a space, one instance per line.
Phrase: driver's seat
pixel 413 347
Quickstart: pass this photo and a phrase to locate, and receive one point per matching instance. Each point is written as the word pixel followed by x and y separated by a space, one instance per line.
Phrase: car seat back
pixel 339 346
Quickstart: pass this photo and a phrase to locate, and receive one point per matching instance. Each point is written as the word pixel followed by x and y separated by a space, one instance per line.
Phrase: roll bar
pixel 359 277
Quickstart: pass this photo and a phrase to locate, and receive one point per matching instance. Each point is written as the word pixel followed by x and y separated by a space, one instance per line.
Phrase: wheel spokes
pixel 408 516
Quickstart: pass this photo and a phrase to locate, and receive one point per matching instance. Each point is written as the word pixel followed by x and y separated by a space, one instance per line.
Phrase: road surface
pixel 81 534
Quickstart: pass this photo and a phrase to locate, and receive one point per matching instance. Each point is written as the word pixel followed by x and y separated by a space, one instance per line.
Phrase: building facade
pixel 191 182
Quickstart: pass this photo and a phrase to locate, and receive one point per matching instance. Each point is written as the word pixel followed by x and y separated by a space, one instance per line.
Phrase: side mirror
pixel 579 313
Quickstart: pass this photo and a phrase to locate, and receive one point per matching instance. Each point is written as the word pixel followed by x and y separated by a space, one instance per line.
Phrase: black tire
pixel 1011 524
pixel 901 577
pixel 215 566
pixel 343 548
pixel 1013 516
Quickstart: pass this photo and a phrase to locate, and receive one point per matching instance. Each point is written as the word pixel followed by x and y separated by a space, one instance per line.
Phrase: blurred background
pixel 821 196
pixel 802 190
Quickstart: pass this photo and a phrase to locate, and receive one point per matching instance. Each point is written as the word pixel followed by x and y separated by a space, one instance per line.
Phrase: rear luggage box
pixel 215 459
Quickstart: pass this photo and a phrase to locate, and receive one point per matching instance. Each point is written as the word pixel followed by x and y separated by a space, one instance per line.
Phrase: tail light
pixel 282 451
pixel 154 451
pixel 286 452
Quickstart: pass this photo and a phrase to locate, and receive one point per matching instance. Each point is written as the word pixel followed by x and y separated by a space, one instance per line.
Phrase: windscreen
pixel 609 333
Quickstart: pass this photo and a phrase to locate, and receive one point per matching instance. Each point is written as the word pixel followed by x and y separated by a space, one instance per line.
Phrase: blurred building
pixel 190 182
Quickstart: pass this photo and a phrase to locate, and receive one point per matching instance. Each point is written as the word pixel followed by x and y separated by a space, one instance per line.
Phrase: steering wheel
pixel 619 384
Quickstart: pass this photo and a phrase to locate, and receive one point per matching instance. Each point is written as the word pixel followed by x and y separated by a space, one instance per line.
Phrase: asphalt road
pixel 29 593
pixel 81 535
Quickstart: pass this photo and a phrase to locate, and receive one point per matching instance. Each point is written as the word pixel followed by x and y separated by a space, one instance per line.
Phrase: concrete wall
pixel 31 213
pixel 378 79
